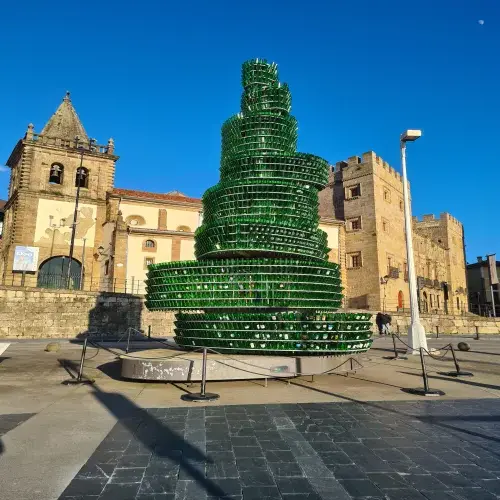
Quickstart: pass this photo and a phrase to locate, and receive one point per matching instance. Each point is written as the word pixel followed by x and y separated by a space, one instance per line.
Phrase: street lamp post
pixel 416 332
pixel 77 200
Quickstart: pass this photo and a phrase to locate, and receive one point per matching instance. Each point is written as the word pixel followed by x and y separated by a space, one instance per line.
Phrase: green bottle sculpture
pixel 262 282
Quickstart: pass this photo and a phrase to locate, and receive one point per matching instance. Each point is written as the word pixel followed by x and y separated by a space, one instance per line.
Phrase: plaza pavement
pixel 342 437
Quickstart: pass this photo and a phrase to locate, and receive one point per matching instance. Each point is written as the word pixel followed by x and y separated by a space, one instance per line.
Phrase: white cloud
pixel 481 21
pixel 4 169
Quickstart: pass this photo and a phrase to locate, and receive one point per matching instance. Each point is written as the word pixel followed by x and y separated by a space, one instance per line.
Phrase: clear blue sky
pixel 160 77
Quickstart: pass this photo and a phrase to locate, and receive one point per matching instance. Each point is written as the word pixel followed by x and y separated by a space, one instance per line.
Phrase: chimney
pixel 480 259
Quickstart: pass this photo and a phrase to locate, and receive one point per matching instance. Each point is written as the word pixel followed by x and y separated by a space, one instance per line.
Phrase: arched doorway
pixel 425 305
pixel 401 300
pixel 53 273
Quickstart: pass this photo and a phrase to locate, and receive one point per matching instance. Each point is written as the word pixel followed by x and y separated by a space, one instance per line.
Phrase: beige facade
pixel 367 194
pixel 119 232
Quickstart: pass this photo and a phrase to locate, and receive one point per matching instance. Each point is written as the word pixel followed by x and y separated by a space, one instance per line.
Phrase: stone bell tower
pixel 46 170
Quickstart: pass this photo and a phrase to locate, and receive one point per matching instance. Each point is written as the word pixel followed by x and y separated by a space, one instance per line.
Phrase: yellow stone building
pixel 119 232
pixel 367 194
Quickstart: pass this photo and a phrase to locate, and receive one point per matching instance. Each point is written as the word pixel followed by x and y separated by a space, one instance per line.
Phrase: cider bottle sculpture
pixel 262 282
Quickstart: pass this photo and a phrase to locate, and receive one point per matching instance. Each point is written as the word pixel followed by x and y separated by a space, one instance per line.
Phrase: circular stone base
pixel 173 366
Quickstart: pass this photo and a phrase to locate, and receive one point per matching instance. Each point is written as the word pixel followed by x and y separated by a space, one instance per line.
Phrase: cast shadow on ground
pixel 137 423
pixel 438 421
pixel 458 380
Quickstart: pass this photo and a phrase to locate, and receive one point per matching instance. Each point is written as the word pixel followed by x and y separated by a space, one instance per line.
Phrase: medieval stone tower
pixel 45 173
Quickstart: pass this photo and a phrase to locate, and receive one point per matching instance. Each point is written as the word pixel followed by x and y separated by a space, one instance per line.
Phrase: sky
pixel 161 77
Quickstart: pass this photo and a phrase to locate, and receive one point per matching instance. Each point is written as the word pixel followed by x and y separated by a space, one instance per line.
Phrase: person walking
pixel 383 322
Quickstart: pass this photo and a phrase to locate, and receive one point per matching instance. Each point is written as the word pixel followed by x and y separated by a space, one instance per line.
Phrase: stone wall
pixel 447 323
pixel 37 313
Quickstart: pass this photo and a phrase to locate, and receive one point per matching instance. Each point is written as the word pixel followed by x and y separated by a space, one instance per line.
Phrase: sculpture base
pixel 170 365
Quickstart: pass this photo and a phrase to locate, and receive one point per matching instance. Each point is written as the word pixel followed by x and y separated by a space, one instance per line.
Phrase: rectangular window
pixel 438 301
pixel 106 268
pixel 148 261
pixel 406 270
pixel 354 260
pixel 385 225
pixel 354 224
pixel 387 195
pixel 401 205
pixel 353 192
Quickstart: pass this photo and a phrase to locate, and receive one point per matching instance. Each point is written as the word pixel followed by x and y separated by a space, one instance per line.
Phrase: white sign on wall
pixel 25 259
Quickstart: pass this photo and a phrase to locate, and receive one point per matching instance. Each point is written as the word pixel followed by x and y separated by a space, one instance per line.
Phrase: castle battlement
pixel 371 159
pixel 431 219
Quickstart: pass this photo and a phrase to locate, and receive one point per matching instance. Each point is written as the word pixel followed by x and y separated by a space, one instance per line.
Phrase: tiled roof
pixel 154 196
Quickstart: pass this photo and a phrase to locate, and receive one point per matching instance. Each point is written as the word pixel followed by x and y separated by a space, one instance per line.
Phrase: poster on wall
pixel 25 259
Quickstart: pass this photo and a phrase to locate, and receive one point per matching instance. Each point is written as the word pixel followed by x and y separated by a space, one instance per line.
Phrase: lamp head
pixel 410 135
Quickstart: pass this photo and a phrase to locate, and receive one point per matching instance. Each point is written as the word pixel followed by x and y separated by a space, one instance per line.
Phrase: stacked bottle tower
pixel 262 282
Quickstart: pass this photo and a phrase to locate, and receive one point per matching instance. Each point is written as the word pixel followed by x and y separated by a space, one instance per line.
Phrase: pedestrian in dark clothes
pixel 383 323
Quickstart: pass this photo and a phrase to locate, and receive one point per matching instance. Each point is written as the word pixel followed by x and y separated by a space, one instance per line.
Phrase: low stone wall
pixel 41 313
pixel 447 323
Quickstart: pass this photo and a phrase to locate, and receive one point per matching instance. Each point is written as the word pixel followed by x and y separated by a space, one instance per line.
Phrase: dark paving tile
pixel 279 456
pixel 439 495
pixel 387 480
pixel 348 472
pixel 404 494
pixel 452 480
pixel 302 496
pixel 285 469
pixel 222 470
pixel 425 482
pixel 491 485
pixel 134 461
pixel 192 490
pixel 250 463
pixel 92 486
pixel 158 484
pixel 335 458
pixel 257 477
pixel 158 496
pixel 247 451
pixel 121 491
pixel 275 444
pixel 473 493
pixel 473 472
pixel 219 446
pixel 313 467
pixel 230 487
pixel 261 493
pixel 360 488
pixel 294 485
pixel 132 475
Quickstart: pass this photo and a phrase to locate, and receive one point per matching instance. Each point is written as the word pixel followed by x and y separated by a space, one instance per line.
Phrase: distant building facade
pixel 480 288
pixel 367 194
pixel 119 232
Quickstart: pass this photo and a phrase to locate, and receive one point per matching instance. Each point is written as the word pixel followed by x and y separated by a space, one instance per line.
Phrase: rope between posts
pixel 447 348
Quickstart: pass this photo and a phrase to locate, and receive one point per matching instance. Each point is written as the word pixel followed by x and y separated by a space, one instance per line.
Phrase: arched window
pixel 53 273
pixel 135 220
pixel 82 177
pixel 149 246
pixel 56 173
pixel 458 303
pixel 184 229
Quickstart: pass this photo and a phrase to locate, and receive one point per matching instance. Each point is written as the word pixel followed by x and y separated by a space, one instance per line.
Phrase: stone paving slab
pixel 404 450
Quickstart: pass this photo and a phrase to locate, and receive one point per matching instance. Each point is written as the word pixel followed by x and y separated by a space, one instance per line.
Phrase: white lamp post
pixel 416 332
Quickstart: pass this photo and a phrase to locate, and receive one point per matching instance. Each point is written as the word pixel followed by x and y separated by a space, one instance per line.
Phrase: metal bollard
pixel 79 379
pixel 437 331
pixel 202 395
pixel 458 372
pixel 426 391
pixel 149 332
pixel 477 333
